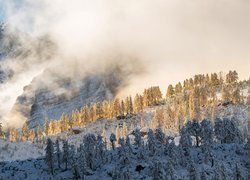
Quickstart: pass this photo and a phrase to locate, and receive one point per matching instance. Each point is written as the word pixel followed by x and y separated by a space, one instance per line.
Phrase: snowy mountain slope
pixel 152 159
pixel 11 151
pixel 53 93
pixel 20 150
pixel 141 120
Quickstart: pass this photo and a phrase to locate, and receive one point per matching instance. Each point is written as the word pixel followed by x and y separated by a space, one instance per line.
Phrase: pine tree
pixel 118 132
pixel 99 110
pixel 146 98
pixel 219 130
pixel 160 136
pixel 178 88
pixel 194 129
pixel 122 108
pixel 81 162
pixel 65 153
pixel 46 127
pixel 25 132
pixel 13 133
pixel 124 130
pixel 226 131
pixel 151 141
pixel 90 142
pixel 236 97
pixel 112 140
pixel 170 91
pixel 232 77
pixel 1 131
pixel 85 114
pixel 58 154
pixel 203 96
pixel 194 105
pixel 100 151
pixel 248 98
pixel 138 138
pixel 92 113
pixel 206 132
pixel 117 108
pixel 32 135
pixel 128 147
pixel 185 140
pixel 214 79
pixel 159 119
pixel 225 94
pixel 39 132
pixel 72 156
pixel 50 155
pixel 157 95
pixel 131 109
pixel 138 103
pixel 214 112
pixel 70 124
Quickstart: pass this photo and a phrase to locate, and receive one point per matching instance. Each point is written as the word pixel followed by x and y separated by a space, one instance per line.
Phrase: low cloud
pixel 170 40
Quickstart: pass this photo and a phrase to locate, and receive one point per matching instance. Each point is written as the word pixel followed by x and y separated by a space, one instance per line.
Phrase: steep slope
pixel 53 93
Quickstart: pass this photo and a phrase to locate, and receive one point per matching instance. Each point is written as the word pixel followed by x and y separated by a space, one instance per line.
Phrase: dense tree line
pixel 184 101
pixel 198 145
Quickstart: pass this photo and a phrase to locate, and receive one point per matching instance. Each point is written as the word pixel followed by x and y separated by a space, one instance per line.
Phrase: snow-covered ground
pixel 165 161
pixel 11 151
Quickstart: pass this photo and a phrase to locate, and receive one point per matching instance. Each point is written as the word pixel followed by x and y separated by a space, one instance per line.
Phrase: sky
pixel 178 38
pixel 172 39
pixel 1 13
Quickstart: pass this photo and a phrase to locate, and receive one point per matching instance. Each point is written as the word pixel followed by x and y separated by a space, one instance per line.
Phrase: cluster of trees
pixel 90 113
pixel 157 149
pixel 214 82
pixel 184 101
pixel 200 97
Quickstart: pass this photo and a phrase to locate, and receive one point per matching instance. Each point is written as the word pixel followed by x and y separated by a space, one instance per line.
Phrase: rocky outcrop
pixel 63 95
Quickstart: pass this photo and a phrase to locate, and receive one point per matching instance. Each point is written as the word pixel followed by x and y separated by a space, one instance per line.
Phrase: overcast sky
pixel 174 38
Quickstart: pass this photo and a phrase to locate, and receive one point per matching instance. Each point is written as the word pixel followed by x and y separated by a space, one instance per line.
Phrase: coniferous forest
pixel 124 90
pixel 183 136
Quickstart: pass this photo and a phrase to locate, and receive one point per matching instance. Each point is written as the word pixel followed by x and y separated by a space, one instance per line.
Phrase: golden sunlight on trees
pixel 183 102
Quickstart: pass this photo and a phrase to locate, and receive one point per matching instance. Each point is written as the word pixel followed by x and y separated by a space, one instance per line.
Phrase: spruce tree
pixel 50 155
pixel 58 154
pixel 1 131
pixel 225 94
pixel 39 132
pixel 46 127
pixel 138 138
pixel 65 153
pixel 170 91
pixel 112 140
pixel 25 131
pixel 236 97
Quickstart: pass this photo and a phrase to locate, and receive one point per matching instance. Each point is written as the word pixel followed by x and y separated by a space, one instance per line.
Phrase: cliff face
pixel 66 83
pixel 48 95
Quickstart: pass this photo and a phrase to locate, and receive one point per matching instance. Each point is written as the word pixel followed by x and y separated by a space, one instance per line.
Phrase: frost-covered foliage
pixel 152 156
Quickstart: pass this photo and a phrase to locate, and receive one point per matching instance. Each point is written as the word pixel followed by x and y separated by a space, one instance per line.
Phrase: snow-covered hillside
pixel 11 151
pixel 141 120
pixel 153 155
